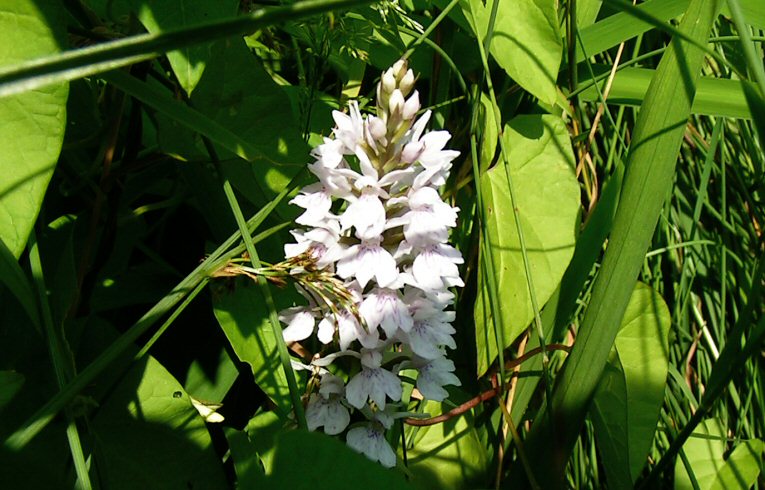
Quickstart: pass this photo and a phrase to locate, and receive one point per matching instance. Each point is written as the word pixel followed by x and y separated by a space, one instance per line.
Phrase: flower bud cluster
pixel 376 220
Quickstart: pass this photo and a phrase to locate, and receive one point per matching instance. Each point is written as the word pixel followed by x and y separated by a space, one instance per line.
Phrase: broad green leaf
pixel 10 384
pixel 587 12
pixel 59 263
pixel 237 94
pixel 189 62
pixel 178 128
pixel 107 56
pixel 704 452
pixel 45 462
pixel 526 41
pixel 742 467
pixel 314 461
pixel 547 193
pixel 32 123
pixel 243 316
pixel 631 391
pixel 449 455
pixel 560 306
pixel 149 435
pixel 263 429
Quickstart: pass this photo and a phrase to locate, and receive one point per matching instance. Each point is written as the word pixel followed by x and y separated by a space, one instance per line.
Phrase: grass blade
pixel 714 96
pixel 61 366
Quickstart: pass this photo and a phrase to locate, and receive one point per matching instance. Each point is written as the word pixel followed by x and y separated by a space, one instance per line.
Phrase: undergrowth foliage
pixel 500 244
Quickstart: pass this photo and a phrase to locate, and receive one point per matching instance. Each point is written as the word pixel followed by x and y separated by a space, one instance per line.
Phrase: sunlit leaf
pixel 449 455
pixel 32 123
pixel 542 169
pixel 704 452
pixel 742 467
pixel 526 41
pixel 753 10
pixel 631 391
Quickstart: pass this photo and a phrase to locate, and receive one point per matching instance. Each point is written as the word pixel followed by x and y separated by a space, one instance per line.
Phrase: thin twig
pixel 486 395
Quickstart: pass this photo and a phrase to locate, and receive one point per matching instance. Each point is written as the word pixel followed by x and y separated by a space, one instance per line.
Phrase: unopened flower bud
pixel 399 69
pixel 388 81
pixel 412 105
pixel 396 102
pixel 407 82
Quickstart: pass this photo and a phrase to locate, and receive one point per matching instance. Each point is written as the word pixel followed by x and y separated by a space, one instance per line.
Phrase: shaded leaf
pixel 489 136
pixel 151 436
pixel 630 394
pixel 547 193
pixel 10 384
pixel 211 385
pixel 247 465
pixel 326 463
pixel 33 123
pixel 189 62
pixel 262 430
pixel 243 316
pixel 253 449
pixel 238 94
pixel 13 277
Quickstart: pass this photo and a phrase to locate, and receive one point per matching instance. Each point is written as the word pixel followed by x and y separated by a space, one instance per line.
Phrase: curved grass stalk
pixel 100 58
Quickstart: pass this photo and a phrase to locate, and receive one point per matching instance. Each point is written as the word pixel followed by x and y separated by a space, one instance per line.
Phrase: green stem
pixel 276 327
